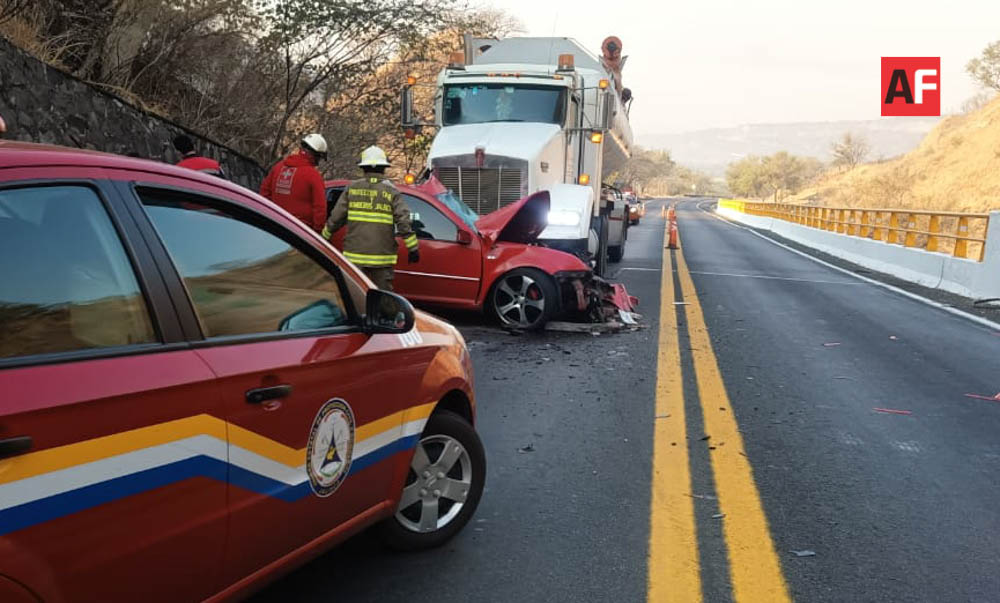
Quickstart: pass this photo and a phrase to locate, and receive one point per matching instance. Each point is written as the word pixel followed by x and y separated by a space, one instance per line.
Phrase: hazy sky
pixel 707 63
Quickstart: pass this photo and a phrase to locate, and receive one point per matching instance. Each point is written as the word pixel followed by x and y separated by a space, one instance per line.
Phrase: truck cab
pixel 520 115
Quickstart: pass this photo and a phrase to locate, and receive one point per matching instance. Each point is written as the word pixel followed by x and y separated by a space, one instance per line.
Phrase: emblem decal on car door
pixel 331 446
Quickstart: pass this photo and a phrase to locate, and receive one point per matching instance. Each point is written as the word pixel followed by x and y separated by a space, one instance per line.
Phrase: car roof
pixel 28 154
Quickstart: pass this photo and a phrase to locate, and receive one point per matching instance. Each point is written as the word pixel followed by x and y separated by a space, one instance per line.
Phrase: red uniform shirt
pixel 296 185
pixel 201 164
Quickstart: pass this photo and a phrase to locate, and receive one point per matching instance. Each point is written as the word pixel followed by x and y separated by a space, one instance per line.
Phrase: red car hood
pixel 519 222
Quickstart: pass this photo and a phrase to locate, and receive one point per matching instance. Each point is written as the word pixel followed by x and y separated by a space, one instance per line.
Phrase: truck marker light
pixel 603 83
pixel 584 179
pixel 409 179
pixel 596 137
pixel 411 80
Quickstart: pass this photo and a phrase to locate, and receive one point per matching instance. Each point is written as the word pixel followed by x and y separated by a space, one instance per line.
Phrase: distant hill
pixel 712 150
pixel 955 168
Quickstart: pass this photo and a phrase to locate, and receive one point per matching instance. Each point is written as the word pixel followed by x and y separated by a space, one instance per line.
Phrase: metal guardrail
pixel 961 235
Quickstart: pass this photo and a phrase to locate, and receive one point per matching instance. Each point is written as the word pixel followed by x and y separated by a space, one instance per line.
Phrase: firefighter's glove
pixel 326 234
pixel 414 256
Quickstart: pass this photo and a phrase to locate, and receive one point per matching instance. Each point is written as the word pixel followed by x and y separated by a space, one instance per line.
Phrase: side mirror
pixel 386 312
pixel 464 237
pixel 406 107
pixel 607 109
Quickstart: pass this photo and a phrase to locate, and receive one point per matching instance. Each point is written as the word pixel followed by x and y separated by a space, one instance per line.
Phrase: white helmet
pixel 316 144
pixel 373 157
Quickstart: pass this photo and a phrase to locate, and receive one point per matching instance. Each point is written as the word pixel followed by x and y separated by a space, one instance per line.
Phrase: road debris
pixel 995 398
pixel 718 516
pixel 662 416
pixel 528 448
pixel 893 337
pixel 832 344
pixel 803 553
pixel 704 437
pixel 893 411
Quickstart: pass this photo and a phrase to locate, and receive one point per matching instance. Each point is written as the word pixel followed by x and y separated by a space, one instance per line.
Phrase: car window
pixel 428 222
pixel 66 282
pixel 241 278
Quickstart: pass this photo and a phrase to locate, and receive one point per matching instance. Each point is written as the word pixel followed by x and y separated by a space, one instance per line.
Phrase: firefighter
pixel 375 214
pixel 296 185
pixel 192 160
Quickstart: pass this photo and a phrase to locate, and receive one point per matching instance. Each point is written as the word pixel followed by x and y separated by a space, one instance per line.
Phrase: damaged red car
pixel 492 263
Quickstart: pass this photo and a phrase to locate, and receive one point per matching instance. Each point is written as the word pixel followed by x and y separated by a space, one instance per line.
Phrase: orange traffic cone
pixel 672 244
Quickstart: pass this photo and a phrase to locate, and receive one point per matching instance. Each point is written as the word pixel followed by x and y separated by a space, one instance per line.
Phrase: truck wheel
pixel 601 264
pixel 617 252
pixel 524 298
pixel 443 487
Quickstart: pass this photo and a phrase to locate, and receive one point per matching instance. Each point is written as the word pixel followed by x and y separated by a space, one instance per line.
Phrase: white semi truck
pixel 519 115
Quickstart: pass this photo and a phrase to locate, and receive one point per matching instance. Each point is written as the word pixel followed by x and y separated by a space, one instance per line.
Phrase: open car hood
pixel 519 222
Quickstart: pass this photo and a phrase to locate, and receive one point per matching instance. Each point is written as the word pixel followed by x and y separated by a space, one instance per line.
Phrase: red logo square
pixel 911 86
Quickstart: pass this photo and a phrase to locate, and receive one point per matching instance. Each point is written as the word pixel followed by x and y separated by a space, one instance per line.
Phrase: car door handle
pixel 12 446
pixel 262 394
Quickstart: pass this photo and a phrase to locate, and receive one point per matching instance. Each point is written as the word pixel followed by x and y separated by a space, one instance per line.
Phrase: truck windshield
pixel 484 103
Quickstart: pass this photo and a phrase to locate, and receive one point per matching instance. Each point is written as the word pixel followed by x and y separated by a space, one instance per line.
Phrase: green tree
pixel 985 69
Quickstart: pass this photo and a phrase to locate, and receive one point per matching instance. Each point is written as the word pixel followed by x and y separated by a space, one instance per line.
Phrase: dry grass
pixel 955 168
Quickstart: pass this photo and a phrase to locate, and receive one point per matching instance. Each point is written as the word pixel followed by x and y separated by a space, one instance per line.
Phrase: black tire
pixel 526 282
pixel 601 263
pixel 394 534
pixel 616 253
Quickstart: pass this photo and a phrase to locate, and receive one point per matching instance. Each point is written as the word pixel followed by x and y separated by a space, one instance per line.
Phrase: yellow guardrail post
pixel 934 228
pixel 911 237
pixel 962 245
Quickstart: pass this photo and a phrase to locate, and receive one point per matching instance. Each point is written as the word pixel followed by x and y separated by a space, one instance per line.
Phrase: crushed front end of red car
pixel 589 298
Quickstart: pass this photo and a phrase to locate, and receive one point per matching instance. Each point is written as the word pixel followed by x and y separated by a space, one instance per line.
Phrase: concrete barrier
pixel 964 277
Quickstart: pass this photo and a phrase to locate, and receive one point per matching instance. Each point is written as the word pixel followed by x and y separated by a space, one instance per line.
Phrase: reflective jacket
pixel 296 185
pixel 375 214
pixel 202 164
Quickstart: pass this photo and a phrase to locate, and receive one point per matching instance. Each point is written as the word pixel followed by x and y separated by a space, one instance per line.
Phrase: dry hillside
pixel 955 168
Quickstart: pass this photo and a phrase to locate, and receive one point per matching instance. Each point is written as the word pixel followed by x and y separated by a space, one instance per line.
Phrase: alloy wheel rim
pixel 437 486
pixel 519 300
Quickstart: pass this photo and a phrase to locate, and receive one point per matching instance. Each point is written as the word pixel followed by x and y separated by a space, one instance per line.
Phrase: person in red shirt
pixel 192 160
pixel 296 185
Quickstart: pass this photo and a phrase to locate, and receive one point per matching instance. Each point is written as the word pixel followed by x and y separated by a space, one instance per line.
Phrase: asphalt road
pixel 780 362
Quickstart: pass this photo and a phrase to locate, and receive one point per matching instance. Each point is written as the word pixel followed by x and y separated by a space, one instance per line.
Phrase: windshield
pixel 460 209
pixel 485 103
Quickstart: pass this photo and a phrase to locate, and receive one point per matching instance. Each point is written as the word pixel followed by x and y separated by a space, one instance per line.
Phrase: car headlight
pixel 564 218
pixel 633 209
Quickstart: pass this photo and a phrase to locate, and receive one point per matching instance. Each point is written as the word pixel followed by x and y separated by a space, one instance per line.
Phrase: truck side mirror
pixel 406 107
pixel 607 109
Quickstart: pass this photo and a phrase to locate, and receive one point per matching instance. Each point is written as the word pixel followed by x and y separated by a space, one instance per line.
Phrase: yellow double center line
pixel 674 572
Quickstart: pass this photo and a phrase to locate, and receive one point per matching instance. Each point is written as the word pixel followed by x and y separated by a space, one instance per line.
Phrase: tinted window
pixel 241 278
pixel 65 281
pixel 428 222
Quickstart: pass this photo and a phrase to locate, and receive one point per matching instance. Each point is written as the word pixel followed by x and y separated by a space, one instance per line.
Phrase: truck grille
pixel 483 189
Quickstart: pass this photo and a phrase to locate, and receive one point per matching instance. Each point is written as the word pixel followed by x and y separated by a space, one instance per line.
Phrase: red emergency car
pixel 490 263
pixel 200 393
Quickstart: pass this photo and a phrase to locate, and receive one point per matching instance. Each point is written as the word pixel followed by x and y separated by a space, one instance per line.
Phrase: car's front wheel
pixel 524 298
pixel 443 487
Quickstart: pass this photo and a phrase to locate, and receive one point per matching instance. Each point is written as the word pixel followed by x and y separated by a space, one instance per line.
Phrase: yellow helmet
pixel 373 157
